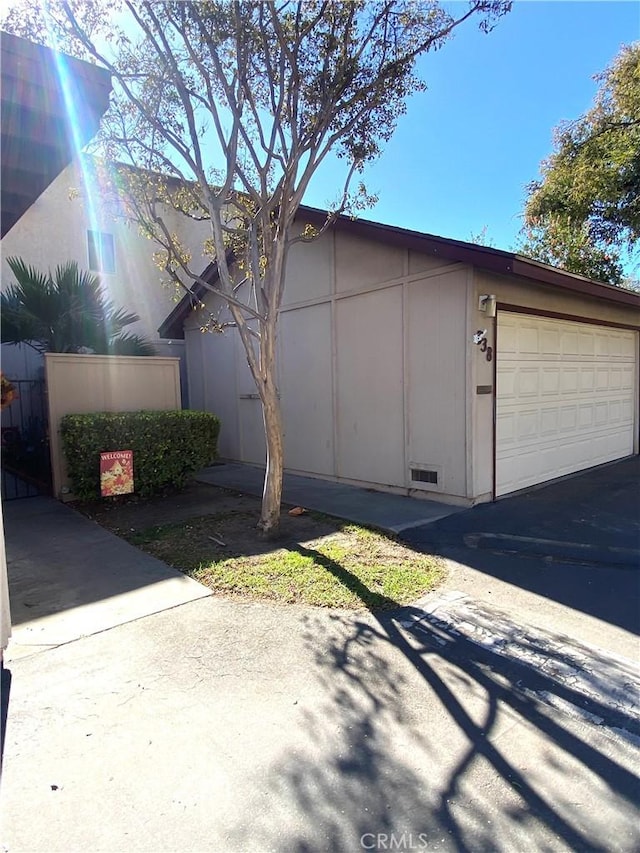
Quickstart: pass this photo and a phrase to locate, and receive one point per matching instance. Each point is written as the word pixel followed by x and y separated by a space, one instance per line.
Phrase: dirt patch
pixel 126 516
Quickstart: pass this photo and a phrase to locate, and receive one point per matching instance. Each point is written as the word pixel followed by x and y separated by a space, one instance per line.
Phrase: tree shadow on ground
pixel 576 541
pixel 429 741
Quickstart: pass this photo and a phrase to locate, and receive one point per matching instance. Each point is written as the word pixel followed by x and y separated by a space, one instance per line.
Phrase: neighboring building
pixel 38 139
pixel 382 383
pixel 75 219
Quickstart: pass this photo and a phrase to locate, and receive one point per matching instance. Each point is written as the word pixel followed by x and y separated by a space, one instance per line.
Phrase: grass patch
pixel 331 565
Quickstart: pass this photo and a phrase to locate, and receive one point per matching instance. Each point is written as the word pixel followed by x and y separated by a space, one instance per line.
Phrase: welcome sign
pixel 116 473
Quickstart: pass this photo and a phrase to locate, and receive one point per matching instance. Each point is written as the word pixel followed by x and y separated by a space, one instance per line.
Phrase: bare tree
pixel 241 102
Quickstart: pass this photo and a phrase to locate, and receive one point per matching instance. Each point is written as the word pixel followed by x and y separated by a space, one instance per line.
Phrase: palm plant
pixel 65 312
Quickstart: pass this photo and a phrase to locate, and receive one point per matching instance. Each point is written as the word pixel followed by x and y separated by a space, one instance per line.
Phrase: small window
pixel 102 254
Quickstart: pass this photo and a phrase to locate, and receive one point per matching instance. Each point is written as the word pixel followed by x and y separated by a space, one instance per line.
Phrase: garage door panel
pixel 550 381
pixel 527 384
pixel 528 340
pixel 587 379
pixel 628 348
pixel 550 341
pixel 587 344
pixel 527 425
pixel 602 344
pixel 585 416
pixel 568 419
pixel 570 343
pixel 509 383
pixel 569 381
pixel 565 407
pixel 509 340
pixel 549 422
pixel 507 428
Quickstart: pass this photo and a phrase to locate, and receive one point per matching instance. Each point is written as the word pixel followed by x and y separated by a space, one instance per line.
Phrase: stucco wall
pixel 104 383
pixel 371 363
pixel 511 290
pixel 54 231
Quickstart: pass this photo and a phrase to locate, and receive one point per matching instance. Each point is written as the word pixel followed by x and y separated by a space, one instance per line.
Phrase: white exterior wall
pixel 510 290
pixel 372 369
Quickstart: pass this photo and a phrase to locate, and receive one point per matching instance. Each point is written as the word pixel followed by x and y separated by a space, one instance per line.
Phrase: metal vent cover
pixel 424 475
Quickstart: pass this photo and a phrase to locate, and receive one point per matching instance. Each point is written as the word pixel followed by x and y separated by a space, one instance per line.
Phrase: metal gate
pixel 26 464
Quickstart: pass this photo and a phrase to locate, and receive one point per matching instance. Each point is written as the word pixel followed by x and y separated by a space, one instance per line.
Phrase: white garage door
pixel 566 398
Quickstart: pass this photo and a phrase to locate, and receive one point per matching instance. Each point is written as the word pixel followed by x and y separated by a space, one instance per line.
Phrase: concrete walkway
pixel 222 726
pixel 69 577
pixel 393 513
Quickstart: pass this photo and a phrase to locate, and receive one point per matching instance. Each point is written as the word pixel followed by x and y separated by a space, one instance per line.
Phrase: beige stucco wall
pixel 436 379
pixel 371 365
pixel 78 384
pixel 54 231
pixel 511 290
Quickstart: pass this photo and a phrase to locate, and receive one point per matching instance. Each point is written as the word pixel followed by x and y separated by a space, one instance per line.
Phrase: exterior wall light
pixel 488 305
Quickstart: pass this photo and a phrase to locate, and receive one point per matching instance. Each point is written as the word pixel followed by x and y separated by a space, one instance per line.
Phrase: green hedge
pixel 167 447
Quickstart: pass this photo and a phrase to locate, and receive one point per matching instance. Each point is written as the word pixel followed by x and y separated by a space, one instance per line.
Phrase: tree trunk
pixel 272 492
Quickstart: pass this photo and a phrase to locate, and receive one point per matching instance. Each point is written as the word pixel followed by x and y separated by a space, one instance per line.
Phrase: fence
pixel 78 384
pixel 26 468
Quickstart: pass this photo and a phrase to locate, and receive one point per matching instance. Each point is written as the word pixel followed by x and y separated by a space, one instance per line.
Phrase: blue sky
pixel 462 156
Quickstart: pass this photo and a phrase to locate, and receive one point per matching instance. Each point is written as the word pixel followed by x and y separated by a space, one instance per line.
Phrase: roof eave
pixel 456 251
pixel 532 270
pixel 172 327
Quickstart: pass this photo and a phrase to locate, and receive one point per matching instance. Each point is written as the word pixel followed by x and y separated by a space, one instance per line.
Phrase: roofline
pixel 484 257
pixel 97 75
pixel 458 251
pixel 190 301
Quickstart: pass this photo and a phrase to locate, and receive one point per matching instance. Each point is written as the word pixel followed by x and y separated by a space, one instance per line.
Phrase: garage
pixel 388 346
pixel 565 397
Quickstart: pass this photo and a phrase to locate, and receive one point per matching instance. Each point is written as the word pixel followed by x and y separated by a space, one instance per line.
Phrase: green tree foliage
pixel 65 312
pixel 559 242
pixel 584 213
pixel 228 109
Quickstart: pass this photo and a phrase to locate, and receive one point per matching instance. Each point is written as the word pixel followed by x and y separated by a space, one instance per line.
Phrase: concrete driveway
pixel 219 726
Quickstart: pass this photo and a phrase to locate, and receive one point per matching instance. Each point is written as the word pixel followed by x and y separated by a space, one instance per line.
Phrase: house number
pixel 484 347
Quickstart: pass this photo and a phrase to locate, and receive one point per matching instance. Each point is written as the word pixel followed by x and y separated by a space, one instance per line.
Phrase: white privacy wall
pixel 372 368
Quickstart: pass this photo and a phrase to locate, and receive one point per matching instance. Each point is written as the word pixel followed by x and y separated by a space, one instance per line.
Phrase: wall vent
pixel 423 475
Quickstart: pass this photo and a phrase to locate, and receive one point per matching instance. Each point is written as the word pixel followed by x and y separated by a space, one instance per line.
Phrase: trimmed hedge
pixel 167 447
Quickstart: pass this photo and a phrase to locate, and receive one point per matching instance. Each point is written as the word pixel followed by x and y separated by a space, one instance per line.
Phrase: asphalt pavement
pixel 564 555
